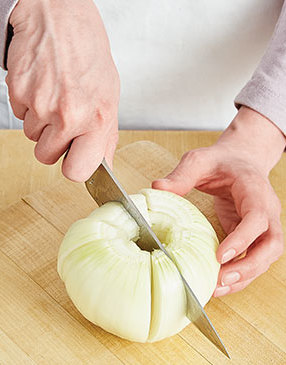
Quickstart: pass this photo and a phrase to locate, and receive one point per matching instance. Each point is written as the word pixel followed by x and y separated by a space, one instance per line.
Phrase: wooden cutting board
pixel 40 325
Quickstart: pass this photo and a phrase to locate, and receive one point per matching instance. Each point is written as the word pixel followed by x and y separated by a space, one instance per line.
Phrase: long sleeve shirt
pixel 266 91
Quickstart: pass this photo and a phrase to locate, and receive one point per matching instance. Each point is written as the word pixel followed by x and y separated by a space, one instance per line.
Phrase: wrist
pixel 255 138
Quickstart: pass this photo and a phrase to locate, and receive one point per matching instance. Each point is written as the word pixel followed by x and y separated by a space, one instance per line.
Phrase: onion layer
pixel 129 292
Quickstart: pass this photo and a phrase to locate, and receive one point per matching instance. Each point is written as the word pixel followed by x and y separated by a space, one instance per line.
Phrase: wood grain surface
pixel 39 324
pixel 22 174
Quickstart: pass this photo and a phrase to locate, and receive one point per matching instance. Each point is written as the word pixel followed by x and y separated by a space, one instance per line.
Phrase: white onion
pixel 133 293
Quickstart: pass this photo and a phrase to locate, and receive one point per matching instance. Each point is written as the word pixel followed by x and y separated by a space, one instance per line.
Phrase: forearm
pixel 6 7
pixel 253 136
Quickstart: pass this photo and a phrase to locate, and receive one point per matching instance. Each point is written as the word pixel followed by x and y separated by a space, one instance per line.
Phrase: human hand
pixel 63 83
pixel 235 170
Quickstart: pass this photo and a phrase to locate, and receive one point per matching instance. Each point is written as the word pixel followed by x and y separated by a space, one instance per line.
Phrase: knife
pixel 104 187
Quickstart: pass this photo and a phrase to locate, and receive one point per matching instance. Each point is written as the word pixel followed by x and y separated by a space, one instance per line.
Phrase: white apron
pixel 181 63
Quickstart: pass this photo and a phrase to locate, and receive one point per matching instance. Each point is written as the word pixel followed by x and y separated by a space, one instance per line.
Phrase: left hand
pixel 235 171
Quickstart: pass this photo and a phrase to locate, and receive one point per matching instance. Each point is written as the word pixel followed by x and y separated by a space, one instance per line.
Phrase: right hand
pixel 63 83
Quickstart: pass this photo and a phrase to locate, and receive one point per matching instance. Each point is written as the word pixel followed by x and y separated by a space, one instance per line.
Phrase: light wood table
pixel 21 174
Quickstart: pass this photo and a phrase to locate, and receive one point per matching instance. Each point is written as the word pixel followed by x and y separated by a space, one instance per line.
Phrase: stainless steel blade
pixel 104 187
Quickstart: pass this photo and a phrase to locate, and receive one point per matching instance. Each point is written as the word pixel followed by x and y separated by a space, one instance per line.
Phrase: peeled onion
pixel 132 293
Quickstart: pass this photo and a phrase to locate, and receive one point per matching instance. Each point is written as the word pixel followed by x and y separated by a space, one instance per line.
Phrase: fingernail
pixel 229 254
pixel 230 278
pixel 221 290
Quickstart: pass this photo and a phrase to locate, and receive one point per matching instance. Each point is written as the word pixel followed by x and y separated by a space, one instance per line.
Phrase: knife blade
pixel 104 187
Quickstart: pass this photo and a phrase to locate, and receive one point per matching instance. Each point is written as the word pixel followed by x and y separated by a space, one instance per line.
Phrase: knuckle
pixel 16 112
pixel 28 133
pixel 66 121
pixel 43 157
pixel 193 156
pixel 102 117
pixel 252 269
pixel 198 156
pixel 69 118
pixel 40 111
pixel 31 135
pixel 16 91
pixel 68 108
pixel 38 105
pixel 186 155
pixel 76 116
pixel 241 245
pixel 79 110
pixel 262 218
pixel 237 287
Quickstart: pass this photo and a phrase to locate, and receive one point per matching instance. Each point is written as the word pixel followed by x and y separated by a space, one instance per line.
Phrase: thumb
pixel 193 170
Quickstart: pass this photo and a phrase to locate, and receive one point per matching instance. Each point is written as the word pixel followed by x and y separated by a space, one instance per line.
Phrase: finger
pixel 227 213
pixel 110 148
pixel 85 154
pixel 51 145
pixel 224 290
pixel 253 224
pixel 259 257
pixel 193 168
pixel 272 242
pixel 33 127
pixel 241 285
pixel 19 110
